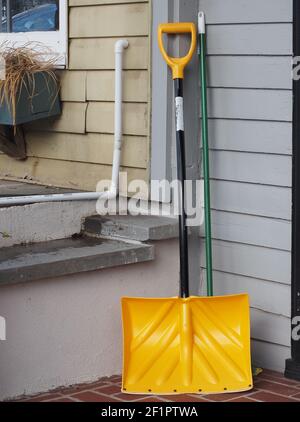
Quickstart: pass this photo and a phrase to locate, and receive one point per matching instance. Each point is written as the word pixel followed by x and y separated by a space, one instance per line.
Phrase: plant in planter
pixel 30 91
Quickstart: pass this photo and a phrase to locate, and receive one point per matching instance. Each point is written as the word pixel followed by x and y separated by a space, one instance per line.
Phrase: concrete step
pixel 25 263
pixel 140 228
pixel 42 222
pixel 39 222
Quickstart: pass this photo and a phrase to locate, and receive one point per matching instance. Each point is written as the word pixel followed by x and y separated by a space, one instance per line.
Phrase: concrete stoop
pixel 57 258
pixel 42 222
pixel 140 228
pixel 103 243
pixel 61 300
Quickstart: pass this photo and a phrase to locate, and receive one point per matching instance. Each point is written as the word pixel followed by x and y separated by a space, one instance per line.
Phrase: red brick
pixel 274 387
pixel 116 378
pixel 109 389
pixel 242 400
pixel 184 398
pixel 106 379
pixel 43 397
pixel 112 380
pixel 277 387
pixel 152 400
pixel 281 380
pixel 129 397
pixel 73 389
pixel 63 400
pixel 89 396
pixel 227 397
pixel 272 398
pixel 99 383
pixel 272 373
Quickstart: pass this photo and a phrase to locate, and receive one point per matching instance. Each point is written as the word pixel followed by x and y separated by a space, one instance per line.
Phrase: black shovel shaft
pixel 181 175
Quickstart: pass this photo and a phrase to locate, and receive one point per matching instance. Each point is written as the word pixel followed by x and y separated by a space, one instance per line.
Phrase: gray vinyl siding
pixel 250 110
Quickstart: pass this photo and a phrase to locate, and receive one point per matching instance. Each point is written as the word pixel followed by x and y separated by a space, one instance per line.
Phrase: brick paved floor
pixel 269 387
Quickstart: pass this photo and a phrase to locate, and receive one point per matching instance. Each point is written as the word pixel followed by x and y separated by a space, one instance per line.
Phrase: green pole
pixel 208 243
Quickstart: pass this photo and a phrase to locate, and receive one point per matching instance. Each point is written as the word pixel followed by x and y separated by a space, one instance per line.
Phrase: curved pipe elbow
pixel 110 194
pixel 121 45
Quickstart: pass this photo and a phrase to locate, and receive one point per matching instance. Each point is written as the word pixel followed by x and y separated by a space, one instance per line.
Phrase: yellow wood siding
pixel 105 21
pixel 76 149
pixel 73 120
pixel 100 116
pixel 73 86
pixel 74 174
pixel 98 53
pixel 101 86
pixel 94 148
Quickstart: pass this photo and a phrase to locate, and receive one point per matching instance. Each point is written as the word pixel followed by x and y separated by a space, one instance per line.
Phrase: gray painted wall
pixel 250 110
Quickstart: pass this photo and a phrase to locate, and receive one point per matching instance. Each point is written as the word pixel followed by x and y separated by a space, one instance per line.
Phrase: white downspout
pixel 114 188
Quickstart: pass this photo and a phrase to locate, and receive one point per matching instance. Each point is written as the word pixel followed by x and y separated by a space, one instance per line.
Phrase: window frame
pixel 57 41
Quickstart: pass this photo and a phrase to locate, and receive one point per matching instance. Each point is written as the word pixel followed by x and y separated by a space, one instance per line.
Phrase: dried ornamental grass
pixel 21 65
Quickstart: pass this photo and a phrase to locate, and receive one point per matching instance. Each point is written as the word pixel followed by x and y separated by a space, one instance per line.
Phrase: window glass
pixel 29 15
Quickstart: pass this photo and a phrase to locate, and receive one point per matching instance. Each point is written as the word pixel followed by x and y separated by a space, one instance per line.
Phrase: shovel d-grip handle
pixel 177 64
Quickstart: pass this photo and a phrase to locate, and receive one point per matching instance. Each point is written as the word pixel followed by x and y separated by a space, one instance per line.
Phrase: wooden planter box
pixel 44 103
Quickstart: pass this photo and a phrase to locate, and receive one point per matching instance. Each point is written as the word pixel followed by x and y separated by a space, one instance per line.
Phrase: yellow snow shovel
pixel 187 344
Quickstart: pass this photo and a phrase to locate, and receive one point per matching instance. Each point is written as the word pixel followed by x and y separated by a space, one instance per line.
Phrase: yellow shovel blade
pixel 196 345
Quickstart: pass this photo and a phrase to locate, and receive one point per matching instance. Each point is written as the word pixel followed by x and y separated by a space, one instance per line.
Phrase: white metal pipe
pixel 120 46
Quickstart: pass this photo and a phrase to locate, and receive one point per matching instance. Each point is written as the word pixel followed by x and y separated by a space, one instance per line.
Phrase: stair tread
pixel 141 228
pixel 68 256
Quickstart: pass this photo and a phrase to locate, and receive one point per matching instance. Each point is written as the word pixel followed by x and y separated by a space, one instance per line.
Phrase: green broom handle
pixel 208 243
